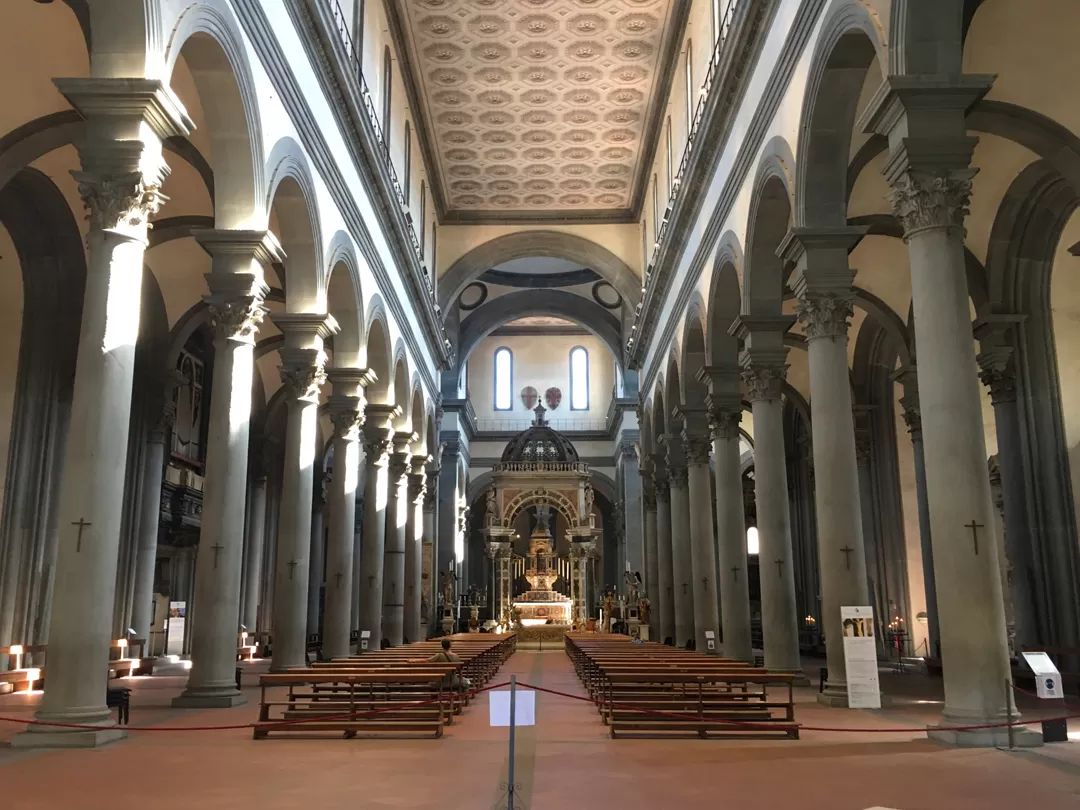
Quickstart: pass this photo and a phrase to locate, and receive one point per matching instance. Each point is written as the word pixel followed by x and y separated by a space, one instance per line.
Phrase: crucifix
pixel 292 568
pixel 847 556
pixel 670 588
pixel 705 582
pixel 217 550
pixel 735 572
pixel 684 585
pixel 82 524
pixel 338 577
pixel 779 568
pixel 974 533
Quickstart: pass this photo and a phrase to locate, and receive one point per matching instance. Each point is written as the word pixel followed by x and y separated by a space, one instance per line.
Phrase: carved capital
pixel 998 373
pixel 697 449
pixel 303 372
pixel 237 319
pixel 122 201
pixel 923 200
pixel 398 468
pixel 912 416
pixel 825 315
pixel 347 421
pixel 764 382
pixel 724 422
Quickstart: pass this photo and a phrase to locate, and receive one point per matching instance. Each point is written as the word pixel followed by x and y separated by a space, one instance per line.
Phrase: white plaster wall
pixel 541 361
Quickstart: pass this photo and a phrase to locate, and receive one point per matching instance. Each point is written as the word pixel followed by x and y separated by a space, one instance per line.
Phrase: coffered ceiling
pixel 539 108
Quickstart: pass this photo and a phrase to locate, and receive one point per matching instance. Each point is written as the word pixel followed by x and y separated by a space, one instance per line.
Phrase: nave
pixel 567 760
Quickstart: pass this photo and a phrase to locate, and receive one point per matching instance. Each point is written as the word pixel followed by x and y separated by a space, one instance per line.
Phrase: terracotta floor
pixel 566 761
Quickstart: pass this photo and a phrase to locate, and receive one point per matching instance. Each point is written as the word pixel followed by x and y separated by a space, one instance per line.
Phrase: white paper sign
pixel 860 657
pixel 524 708
pixel 1047 677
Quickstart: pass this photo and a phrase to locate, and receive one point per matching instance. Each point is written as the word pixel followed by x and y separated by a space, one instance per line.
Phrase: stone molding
pixel 998 373
pixel 347 416
pixel 724 421
pixel 825 315
pixel 236 305
pixel 764 382
pixel 303 372
pixel 697 449
pixel 121 202
pixel 922 200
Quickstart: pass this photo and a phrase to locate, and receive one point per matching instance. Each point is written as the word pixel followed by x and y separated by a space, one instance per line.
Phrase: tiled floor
pixel 565 761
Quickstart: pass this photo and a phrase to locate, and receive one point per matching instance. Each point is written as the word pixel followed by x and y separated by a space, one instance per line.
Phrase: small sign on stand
pixel 365 639
pixel 512 708
pixel 710 640
pixel 1048 687
pixel 860 657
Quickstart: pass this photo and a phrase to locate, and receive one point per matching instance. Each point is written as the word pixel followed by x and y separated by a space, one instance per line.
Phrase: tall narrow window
pixel 655 205
pixel 434 250
pixel 717 18
pixel 358 34
pixel 670 155
pixel 579 379
pixel 408 162
pixel 422 230
pixel 689 88
pixel 387 88
pixel 644 244
pixel 504 379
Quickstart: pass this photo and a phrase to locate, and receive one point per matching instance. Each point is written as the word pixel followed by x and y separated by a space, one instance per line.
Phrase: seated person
pixel 444 656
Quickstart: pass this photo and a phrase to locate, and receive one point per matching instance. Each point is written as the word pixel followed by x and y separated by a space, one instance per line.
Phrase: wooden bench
pixel 23 676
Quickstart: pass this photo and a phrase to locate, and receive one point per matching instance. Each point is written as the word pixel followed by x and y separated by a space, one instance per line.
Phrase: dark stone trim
pixel 570 278
pixel 483 297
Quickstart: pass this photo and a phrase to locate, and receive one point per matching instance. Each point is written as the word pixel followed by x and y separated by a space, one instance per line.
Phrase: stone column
pixel 256 540
pixel 906 376
pixel 665 606
pixel 652 565
pixel 924 119
pixel 317 566
pixel 731 525
pixel 142 601
pixel 822 283
pixel 702 531
pixel 428 563
pixel 764 370
pixel 414 547
pixel 681 565
pixel 346 408
pixel 237 291
pixel 633 530
pixel 119 180
pixel 378 441
pixel 303 371
pixel 397 517
pixel 997 370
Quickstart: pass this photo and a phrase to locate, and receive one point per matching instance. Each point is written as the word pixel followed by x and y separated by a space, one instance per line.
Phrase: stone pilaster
pixel 378 437
pixel 393 612
pixel 303 372
pixel 652 566
pixel 702 530
pixel 665 607
pixel 414 546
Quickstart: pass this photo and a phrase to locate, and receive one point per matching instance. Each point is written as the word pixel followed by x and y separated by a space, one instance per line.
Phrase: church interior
pixel 540 404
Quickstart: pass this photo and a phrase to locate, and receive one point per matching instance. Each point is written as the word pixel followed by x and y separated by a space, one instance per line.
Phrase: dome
pixel 540 442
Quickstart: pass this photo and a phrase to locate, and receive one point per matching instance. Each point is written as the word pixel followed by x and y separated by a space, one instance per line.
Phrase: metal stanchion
pixel 510 771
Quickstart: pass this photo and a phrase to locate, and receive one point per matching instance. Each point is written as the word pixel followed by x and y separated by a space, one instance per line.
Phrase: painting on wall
pixel 529 397
pixel 552 398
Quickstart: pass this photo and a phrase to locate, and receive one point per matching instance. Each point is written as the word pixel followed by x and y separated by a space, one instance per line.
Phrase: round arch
pixel 292 198
pixel 770 214
pixel 379 392
pixel 344 300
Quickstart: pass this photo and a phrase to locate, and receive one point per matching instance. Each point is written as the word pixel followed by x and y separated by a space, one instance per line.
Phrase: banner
pixel 860 657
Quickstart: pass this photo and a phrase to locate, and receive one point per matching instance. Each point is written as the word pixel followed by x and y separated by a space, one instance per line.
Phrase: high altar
pixel 540 473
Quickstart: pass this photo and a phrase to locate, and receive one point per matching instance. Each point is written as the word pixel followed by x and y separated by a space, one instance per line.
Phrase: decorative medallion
pixel 552 398
pixel 529 397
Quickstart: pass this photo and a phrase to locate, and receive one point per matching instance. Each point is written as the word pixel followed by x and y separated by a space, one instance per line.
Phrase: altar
pixel 542 604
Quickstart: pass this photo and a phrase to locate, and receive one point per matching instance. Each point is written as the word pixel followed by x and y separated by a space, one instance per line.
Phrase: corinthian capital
pixel 122 201
pixel 764 382
pixel 825 315
pixel 724 421
pixel 303 372
pixel 923 200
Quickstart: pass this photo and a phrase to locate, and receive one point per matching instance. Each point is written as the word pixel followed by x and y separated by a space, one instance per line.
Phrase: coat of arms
pixel 552 397
pixel 529 397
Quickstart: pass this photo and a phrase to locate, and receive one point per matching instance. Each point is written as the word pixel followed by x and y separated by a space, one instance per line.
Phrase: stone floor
pixel 566 761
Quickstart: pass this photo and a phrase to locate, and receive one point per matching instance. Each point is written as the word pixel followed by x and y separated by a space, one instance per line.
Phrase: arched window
pixel 387 88
pixel 579 379
pixel 408 162
pixel 422 230
pixel 689 88
pixel 358 32
pixel 655 205
pixel 504 379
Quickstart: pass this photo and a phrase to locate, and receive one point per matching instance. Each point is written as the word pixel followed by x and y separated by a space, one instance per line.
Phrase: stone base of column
pixel 69 738
pixel 997 737
pixel 208 698
pixel 836 696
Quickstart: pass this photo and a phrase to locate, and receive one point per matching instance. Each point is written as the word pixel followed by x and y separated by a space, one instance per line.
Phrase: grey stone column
pixel 253 563
pixel 702 531
pixel 120 180
pixel 346 408
pixel 906 376
pixel 414 547
pixel 397 518
pixel 764 371
pixel 236 298
pixel 428 563
pixel 665 606
pixel 378 442
pixel 652 565
pixel 303 372
pixel 633 530
pixel 997 370
pixel 731 527
pixel 681 564
pixel 142 601
pixel 822 283
pixel 924 119
pixel 317 566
